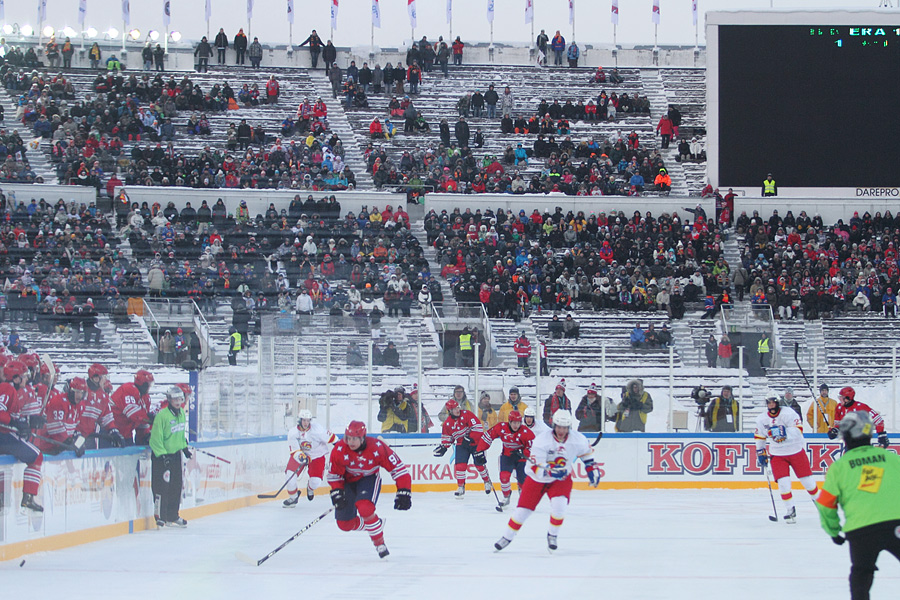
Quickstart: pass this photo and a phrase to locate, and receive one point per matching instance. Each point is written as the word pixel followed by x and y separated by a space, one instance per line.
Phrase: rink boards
pixel 107 492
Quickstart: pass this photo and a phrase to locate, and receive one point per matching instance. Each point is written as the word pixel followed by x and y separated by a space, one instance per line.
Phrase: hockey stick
pixel 243 557
pixel 772 496
pixel 499 507
pixel 40 437
pixel 597 440
pixel 284 485
pixel 46 360
pixel 814 396
pixel 227 462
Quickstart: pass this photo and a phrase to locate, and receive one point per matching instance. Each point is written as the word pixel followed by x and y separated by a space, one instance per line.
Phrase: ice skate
pixel 291 502
pixel 310 494
pixel 382 550
pixel 505 500
pixel 791 517
pixel 460 492
pixel 29 503
pixel 501 544
pixel 551 542
pixel 160 523
pixel 179 522
pixel 488 487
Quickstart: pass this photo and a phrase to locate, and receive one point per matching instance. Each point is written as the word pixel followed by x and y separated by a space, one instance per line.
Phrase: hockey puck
pixel 22 564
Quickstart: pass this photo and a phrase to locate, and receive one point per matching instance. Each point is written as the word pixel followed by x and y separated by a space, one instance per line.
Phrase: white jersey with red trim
pixel 547 452
pixel 769 430
pixel 314 441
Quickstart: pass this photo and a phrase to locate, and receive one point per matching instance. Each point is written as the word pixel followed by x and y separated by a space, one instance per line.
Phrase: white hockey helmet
pixel 562 418
pixel 529 412
pixel 304 414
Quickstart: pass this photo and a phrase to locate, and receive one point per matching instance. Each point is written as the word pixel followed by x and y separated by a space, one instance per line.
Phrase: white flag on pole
pixel 411 9
pixel 376 14
pixel 167 15
pixel 614 15
pixel 490 11
pixel 126 11
pixel 334 13
pixel 694 10
pixel 571 11
pixel 249 10
pixel 82 11
pixel 655 14
pixel 42 11
pixel 449 11
pixel 529 11
pixel 290 10
pixel 208 9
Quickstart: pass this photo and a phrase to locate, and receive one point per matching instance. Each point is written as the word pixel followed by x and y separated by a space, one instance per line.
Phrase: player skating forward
pixel 463 430
pixel 529 418
pixel 308 443
pixel 782 431
pixel 553 455
pixel 355 482
pixel 516 441
pixel 847 404
pixel 865 482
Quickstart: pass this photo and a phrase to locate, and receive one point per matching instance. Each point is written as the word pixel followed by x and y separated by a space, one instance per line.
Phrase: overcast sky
pixel 469 18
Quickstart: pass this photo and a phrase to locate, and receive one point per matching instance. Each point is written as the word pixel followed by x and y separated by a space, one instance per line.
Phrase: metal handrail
pixel 437 316
pixel 148 310
pixel 204 326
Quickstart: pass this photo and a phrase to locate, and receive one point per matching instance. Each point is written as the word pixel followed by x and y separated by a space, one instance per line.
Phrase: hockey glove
pixel 593 472
pixel 36 421
pixel 883 440
pixel 21 424
pixel 403 500
pixel 762 458
pixel 79 444
pixel 115 439
pixel 339 498
pixel 833 433
pixel 839 540
pixel 187 453
pixel 517 455
pixel 440 451
pixel 479 459
pixel 557 472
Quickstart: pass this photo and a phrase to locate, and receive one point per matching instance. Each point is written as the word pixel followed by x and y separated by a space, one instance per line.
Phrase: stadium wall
pixel 107 492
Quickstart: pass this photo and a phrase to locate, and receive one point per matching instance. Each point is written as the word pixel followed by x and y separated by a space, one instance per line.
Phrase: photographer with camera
pixel 636 404
pixel 395 412
pixel 723 412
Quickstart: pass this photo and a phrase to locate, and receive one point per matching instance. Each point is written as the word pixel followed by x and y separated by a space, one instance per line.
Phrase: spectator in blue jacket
pixel 637 183
pixel 558 45
pixel 638 339
pixel 521 155
pixel 573 54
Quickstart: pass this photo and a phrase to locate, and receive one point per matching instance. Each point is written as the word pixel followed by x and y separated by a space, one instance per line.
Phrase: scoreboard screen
pixel 817 106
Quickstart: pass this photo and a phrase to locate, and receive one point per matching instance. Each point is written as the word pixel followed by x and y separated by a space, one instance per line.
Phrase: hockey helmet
pixel 143 377
pixel 97 369
pixel 30 360
pixel 77 383
pixel 773 410
pixel 857 426
pixel 529 412
pixel 304 414
pixel 514 415
pixel 13 369
pixel 451 404
pixel 562 418
pixel 355 429
pixel 848 393
pixel 175 396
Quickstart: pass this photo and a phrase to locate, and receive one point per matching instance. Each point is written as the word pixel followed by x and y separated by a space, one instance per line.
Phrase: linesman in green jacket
pixel 167 443
pixel 865 482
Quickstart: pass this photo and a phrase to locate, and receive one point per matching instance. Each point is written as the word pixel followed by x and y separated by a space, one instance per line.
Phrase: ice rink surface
pixel 635 544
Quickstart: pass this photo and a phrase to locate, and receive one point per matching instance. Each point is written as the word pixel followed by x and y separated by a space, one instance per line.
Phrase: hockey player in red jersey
pixel 61 414
pixel 356 483
pixel 847 403
pixel 308 443
pixel 463 430
pixel 779 438
pixel 94 417
pixel 553 456
pixel 15 428
pixel 516 440
pixel 131 409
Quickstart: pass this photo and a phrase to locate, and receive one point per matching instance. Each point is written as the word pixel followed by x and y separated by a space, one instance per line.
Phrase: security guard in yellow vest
pixel 763 349
pixel 465 348
pixel 768 187
pixel 234 345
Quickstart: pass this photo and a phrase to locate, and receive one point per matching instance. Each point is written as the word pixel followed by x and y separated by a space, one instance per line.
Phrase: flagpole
pixel 573 21
pixel 655 36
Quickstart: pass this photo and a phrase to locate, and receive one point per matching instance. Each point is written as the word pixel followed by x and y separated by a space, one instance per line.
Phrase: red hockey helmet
pixel 355 429
pixel 30 360
pixel 514 415
pixel 97 369
pixel 185 388
pixel 77 383
pixel 451 404
pixel 13 369
pixel 847 392
pixel 143 377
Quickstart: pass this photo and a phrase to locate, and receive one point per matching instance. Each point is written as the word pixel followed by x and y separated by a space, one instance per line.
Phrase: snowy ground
pixel 647 544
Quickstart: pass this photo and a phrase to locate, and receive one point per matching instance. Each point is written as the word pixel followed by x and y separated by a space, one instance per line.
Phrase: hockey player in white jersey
pixel 553 456
pixel 531 422
pixel 782 431
pixel 308 444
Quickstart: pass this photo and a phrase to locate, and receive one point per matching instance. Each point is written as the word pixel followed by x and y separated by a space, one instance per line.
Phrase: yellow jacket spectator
pixel 821 404
pixel 514 402
pixel 489 417
pixel 395 412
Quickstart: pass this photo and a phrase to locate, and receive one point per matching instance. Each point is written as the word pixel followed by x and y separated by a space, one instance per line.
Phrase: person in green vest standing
pixel 768 187
pixel 465 348
pixel 763 348
pixel 234 345
pixel 865 482
pixel 168 443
